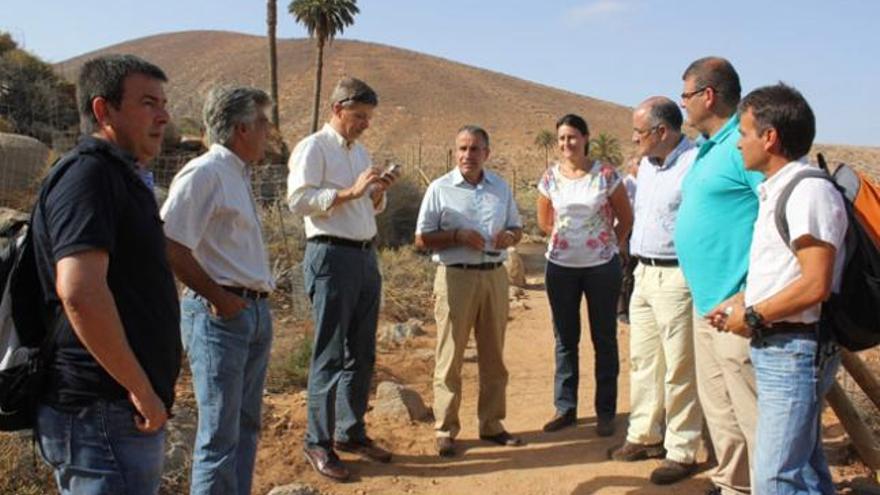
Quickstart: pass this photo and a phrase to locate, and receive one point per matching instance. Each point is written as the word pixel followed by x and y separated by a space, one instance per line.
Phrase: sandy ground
pixel 570 462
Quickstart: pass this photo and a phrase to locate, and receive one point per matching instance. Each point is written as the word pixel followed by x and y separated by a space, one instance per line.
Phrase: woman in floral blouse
pixel 584 209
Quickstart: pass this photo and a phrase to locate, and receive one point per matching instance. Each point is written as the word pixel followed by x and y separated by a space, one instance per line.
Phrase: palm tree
pixel 545 140
pixel 323 19
pixel 271 23
pixel 606 148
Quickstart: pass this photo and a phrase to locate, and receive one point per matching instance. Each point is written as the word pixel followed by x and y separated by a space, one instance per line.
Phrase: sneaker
pixel 605 427
pixel 561 421
pixel 670 472
pixel 629 452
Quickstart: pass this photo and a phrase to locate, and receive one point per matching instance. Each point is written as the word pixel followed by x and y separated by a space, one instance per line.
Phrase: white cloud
pixel 593 10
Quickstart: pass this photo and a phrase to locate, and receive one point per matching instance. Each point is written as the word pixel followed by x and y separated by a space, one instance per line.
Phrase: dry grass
pixel 23 471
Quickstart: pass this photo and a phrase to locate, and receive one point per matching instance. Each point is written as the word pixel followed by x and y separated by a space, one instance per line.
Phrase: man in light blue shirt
pixel 713 234
pixel 663 390
pixel 469 218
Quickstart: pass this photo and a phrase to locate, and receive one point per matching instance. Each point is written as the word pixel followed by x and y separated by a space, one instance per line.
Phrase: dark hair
pixel 575 121
pixel 105 77
pixel 785 109
pixel 716 73
pixel 578 122
pixel 475 130
pixel 664 111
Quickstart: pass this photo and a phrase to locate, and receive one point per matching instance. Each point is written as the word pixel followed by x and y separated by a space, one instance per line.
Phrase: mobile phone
pixel 391 169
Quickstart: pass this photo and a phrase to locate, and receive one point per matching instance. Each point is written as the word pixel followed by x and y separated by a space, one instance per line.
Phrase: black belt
pixel 657 261
pixel 479 266
pixel 781 327
pixel 340 241
pixel 246 293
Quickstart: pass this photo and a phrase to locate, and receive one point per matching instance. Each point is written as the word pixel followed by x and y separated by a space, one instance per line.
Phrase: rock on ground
pixel 396 333
pixel 396 401
pixel 294 489
pixel 516 269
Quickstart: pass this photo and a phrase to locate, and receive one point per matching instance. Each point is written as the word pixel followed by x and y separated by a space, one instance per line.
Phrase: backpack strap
pixel 782 202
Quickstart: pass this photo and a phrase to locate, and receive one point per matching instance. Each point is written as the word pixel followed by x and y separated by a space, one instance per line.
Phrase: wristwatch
pixel 755 321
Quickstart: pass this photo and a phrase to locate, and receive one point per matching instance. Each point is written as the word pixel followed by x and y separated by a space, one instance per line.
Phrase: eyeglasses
pixel 690 94
pixel 645 132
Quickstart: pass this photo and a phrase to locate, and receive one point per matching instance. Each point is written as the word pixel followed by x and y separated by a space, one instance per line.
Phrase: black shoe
pixel 629 452
pixel 605 427
pixel 365 448
pixel 445 446
pixel 561 421
pixel 504 439
pixel 671 471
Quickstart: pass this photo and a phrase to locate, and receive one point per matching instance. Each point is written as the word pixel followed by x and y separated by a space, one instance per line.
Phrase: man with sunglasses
pixel 662 382
pixel 336 188
pixel 712 237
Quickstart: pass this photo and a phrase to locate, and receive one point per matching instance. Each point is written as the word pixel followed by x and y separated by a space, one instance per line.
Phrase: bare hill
pixel 422 98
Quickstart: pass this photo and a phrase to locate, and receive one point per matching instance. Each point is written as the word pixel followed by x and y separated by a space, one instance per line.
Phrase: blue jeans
pixel 793 373
pixel 99 451
pixel 345 288
pixel 228 360
pixel 566 288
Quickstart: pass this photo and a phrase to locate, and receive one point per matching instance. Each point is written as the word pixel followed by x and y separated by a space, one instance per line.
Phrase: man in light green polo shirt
pixel 712 237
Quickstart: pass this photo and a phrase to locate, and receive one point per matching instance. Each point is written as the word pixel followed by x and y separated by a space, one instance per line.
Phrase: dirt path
pixel 572 461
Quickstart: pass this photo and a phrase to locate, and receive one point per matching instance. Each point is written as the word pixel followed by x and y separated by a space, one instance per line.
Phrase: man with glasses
pixel 712 237
pixel 662 381
pixel 334 185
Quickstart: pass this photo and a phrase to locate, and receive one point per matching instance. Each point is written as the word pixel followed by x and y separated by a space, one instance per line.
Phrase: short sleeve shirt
pixel 583 224
pixel 815 208
pixel 713 231
pixel 97 201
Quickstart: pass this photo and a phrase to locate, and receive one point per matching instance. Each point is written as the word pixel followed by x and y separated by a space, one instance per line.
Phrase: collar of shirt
pixel 228 156
pixel 683 145
pixel 91 143
pixel 774 184
pixel 720 136
pixel 337 137
pixel 458 179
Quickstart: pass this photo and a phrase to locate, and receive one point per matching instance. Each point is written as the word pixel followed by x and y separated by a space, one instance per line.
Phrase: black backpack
pixel 25 342
pixel 853 313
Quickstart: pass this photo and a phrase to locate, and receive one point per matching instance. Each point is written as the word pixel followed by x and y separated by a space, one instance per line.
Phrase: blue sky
pixel 616 50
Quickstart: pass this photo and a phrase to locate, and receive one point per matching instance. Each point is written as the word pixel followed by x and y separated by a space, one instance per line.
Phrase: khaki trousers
pixel 726 386
pixel 662 374
pixel 466 299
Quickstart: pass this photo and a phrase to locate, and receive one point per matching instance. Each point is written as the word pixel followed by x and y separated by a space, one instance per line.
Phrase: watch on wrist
pixel 754 320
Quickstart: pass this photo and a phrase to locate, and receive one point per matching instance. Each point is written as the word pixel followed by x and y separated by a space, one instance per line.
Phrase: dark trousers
pixel 626 288
pixel 345 287
pixel 565 289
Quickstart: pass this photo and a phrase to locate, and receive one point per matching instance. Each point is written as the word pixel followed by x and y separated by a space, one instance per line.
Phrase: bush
pixel 292 369
pixel 396 225
pixel 408 283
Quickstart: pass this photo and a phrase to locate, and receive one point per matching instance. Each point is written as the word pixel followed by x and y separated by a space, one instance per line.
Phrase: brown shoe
pixel 670 471
pixel 504 438
pixel 326 463
pixel 629 452
pixel 445 446
pixel 561 421
pixel 365 448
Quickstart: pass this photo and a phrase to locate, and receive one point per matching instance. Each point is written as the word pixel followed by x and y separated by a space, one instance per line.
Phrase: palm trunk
pixel 272 22
pixel 319 63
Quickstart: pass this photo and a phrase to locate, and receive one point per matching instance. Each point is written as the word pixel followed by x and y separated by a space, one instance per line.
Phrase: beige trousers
pixel 466 299
pixel 662 374
pixel 726 386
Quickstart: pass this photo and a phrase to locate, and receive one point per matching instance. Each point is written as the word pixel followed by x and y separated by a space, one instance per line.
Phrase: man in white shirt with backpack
pixel 780 309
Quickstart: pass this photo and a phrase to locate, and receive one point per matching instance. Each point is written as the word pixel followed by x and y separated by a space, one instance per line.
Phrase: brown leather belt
pixel 479 266
pixel 246 293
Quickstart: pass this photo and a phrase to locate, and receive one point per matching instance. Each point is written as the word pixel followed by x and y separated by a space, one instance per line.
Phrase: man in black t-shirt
pixel 101 259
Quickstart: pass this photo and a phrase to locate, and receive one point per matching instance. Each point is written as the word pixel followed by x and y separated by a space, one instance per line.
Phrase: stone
pixel 516 293
pixel 294 489
pixel 516 269
pixel 23 160
pixel 396 333
pixel 396 401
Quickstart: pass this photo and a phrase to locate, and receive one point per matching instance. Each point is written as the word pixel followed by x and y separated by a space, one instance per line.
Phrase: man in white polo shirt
pixel 469 218
pixel 334 185
pixel 216 249
pixel 663 385
pixel 780 310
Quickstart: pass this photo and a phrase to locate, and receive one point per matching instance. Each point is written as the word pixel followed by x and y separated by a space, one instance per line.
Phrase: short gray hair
pixel 662 110
pixel 350 91
pixel 475 130
pixel 228 106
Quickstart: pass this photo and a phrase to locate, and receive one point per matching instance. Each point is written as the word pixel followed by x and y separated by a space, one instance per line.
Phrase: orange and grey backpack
pixel 853 313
